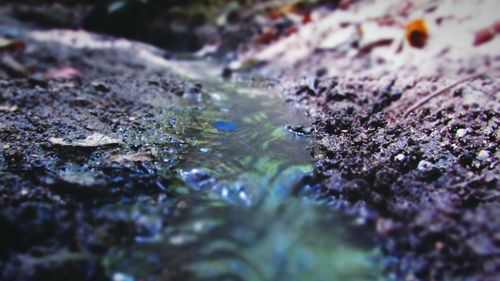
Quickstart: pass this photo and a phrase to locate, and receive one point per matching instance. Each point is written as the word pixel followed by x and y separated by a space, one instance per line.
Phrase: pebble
pixel 461 133
pixel 400 157
pixel 425 165
pixel 38 79
pixel 99 86
pixel 483 155
pixel 199 179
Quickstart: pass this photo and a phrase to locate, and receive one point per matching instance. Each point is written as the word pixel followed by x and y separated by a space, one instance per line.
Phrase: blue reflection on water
pixel 226 126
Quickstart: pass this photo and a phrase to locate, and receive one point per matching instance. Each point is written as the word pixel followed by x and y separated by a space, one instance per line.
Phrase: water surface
pixel 242 214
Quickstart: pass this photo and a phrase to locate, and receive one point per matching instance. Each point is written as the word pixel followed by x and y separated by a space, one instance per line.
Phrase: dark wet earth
pixel 197 178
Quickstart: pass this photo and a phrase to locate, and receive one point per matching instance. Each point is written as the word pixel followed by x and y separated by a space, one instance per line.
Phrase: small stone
pixel 385 226
pixel 425 165
pixel 483 155
pixel 466 158
pixel 99 86
pixel 300 130
pixel 461 133
pixel 38 79
pixel 400 157
pixel 428 170
pixel 439 245
pixel 8 108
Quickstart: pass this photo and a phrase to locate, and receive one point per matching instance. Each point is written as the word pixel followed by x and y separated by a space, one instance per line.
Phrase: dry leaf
pixel 94 140
pixel 487 34
pixel 11 45
pixel 417 33
pixel 135 157
pixel 379 43
pixel 63 73
pixel 8 108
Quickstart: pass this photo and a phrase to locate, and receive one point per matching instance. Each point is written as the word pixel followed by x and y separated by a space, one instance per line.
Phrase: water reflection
pixel 295 240
pixel 239 216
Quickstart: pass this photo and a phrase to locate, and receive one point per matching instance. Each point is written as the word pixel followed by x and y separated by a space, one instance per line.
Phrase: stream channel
pixel 243 212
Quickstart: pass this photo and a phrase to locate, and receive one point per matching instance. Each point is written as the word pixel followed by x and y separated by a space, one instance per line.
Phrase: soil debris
pixel 94 140
pixel 135 157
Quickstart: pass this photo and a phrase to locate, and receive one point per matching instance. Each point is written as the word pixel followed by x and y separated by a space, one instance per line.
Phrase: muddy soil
pixel 53 217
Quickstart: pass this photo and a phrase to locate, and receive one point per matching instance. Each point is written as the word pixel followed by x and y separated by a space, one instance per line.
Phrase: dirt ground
pixel 53 220
pixel 428 175
pixel 411 133
pixel 431 177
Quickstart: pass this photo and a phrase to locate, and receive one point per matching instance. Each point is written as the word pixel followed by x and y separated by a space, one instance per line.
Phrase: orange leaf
pixel 417 33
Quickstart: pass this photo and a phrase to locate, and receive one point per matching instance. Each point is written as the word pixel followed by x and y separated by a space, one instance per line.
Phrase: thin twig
pixel 442 91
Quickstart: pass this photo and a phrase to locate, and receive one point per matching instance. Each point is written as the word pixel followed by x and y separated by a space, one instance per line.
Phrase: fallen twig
pixel 442 91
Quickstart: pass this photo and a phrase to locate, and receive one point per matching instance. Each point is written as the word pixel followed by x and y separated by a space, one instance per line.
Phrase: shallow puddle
pixel 242 214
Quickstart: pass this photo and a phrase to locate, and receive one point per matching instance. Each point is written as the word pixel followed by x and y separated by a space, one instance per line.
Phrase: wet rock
pixel 425 166
pixel 101 87
pixel 38 80
pixel 199 179
pixel 300 130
